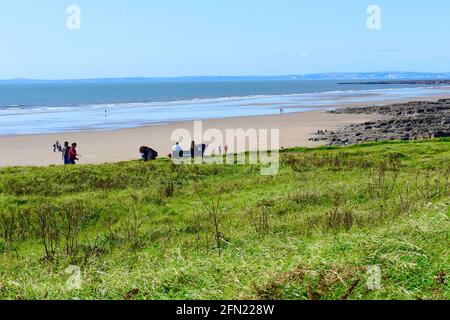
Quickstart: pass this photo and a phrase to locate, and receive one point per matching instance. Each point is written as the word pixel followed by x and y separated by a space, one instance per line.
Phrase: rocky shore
pixel 409 82
pixel 406 121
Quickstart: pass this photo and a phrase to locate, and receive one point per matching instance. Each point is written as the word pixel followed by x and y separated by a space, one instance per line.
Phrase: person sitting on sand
pixel 73 155
pixel 65 153
pixel 177 151
pixel 148 154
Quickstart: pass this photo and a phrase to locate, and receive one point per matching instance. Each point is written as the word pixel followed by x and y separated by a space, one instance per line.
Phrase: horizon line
pixel 446 73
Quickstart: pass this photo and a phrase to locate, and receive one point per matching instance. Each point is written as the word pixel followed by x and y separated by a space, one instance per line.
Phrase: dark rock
pixel 402 121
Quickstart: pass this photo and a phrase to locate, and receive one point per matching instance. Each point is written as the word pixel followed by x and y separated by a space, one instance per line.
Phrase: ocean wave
pixel 17 110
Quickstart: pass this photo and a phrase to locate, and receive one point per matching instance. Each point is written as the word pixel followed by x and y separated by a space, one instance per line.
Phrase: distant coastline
pixel 383 75
pixel 405 82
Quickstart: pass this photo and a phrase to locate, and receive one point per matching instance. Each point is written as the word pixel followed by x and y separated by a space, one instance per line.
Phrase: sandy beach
pixel 98 147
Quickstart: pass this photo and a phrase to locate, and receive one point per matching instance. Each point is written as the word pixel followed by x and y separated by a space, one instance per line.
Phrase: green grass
pixel 146 230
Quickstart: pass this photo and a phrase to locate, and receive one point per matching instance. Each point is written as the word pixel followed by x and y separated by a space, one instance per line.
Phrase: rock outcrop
pixel 404 121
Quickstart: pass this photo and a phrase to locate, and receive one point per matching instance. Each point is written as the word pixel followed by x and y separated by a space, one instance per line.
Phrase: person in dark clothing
pixel 148 154
pixel 197 150
pixel 192 149
pixel 65 153
pixel 203 147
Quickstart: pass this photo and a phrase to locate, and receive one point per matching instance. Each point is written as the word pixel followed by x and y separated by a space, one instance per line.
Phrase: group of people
pixel 196 150
pixel 149 154
pixel 69 152
pixel 225 149
pixel 57 147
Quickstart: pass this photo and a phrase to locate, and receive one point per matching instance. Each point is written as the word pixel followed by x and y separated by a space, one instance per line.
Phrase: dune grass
pixel 137 230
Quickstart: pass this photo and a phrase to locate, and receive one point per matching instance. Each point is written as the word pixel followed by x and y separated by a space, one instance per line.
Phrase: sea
pixel 51 107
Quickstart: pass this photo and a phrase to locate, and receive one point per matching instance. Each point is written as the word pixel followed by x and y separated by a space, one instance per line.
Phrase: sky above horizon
pixel 159 38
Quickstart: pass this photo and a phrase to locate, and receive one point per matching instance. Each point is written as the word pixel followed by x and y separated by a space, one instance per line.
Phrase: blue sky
pixel 154 38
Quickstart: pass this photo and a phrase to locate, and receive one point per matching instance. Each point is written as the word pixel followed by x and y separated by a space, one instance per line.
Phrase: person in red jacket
pixel 73 155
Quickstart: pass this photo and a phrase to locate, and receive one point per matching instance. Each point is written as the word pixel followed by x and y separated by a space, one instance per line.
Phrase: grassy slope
pixel 330 214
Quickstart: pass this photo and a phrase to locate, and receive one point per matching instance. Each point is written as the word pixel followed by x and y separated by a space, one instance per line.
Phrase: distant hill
pixel 315 76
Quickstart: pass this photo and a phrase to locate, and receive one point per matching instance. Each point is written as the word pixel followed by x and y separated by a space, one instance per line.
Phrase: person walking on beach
pixel 73 155
pixel 65 153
